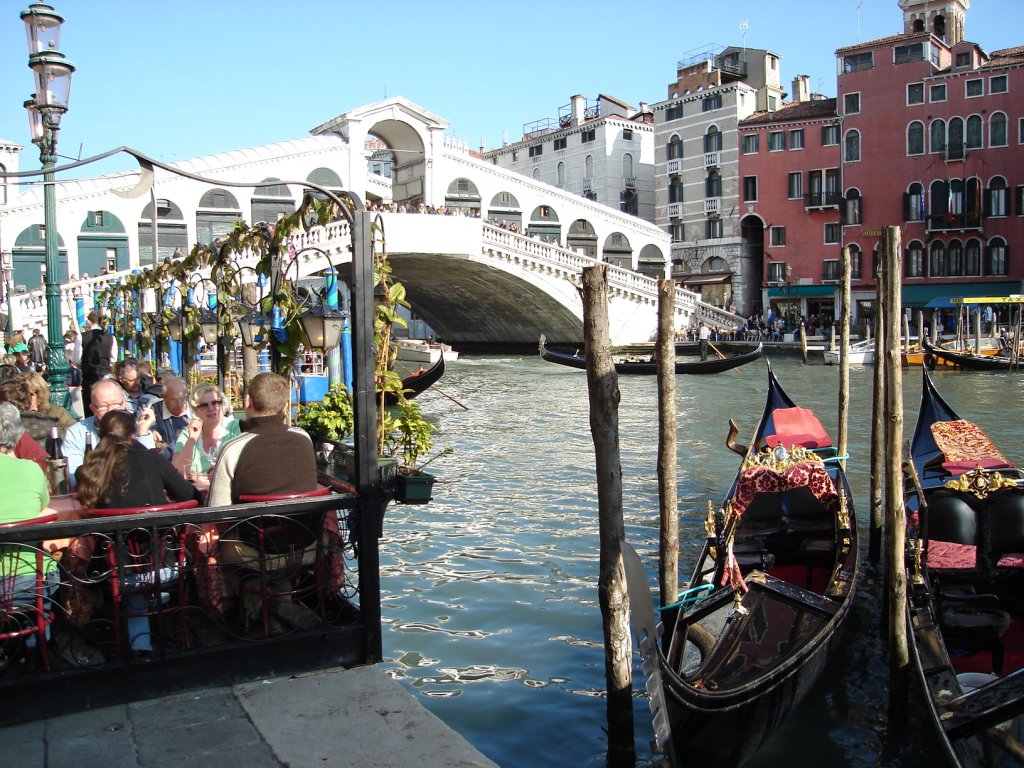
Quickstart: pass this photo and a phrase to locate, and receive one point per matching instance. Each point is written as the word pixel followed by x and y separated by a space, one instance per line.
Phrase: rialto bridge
pixel 498 260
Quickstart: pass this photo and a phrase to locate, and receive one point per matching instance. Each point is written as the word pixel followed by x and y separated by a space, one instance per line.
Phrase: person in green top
pixel 26 495
pixel 195 452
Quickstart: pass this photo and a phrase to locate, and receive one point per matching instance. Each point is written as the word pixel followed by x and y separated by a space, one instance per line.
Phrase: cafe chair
pixel 284 563
pixel 146 572
pixel 28 576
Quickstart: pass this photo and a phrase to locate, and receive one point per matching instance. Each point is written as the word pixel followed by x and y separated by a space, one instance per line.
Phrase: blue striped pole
pixel 334 367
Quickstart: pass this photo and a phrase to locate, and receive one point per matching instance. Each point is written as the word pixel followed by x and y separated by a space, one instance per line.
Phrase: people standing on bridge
pixel 37 350
pixel 703 336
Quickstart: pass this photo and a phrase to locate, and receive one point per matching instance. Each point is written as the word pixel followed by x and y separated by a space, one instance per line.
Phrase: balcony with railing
pixel 629 182
pixel 712 206
pixel 587 184
pixel 675 167
pixel 829 199
pixel 946 222
pixel 675 210
pixel 712 159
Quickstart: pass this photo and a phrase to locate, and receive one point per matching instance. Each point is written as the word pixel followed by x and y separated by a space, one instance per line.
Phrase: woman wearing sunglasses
pixel 212 425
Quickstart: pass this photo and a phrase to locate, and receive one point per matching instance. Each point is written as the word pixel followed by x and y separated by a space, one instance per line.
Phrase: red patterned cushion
pixel 805 474
pixel 1011 560
pixel 959 467
pixel 950 555
pixel 964 442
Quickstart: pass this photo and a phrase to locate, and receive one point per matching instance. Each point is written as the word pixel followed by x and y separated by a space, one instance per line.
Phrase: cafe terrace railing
pixel 174 573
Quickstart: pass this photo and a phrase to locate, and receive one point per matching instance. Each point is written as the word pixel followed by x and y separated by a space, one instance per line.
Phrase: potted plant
pixel 327 421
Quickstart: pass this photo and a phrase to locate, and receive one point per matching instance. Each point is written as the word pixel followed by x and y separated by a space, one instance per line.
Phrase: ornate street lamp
pixel 45 109
pixel 322 326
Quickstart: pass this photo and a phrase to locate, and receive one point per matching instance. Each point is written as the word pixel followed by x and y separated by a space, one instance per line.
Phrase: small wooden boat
pixel 1005 361
pixel 649 367
pixel 861 353
pixel 767 600
pixel 418 381
pixel 965 582
pixel 421 351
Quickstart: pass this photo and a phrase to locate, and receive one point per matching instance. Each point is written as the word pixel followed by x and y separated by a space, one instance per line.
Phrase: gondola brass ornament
pixel 980 483
pixel 843 513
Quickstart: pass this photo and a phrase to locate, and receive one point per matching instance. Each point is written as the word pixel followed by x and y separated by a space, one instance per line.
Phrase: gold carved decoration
pixel 779 459
pixel 980 483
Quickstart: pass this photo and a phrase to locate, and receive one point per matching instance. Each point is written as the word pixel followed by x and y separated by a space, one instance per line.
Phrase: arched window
pixel 972 257
pixel 996 257
pixel 913 263
pixel 913 207
pixel 937 260
pixel 536 174
pixel 851 147
pixel 675 191
pixel 955 139
pixel 851 212
pixel 854 250
pixel 675 147
pixel 627 166
pixel 997 202
pixel 939 198
pixel 713 184
pixel 997 130
pixel 561 175
pixel 915 138
pixel 588 167
pixel 937 136
pixel 713 140
pixel 975 129
pixel 955 259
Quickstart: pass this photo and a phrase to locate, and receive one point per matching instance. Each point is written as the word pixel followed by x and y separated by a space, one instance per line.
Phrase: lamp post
pixel 45 109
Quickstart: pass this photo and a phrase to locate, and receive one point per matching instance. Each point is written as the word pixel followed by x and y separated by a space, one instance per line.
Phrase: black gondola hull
pixel 649 368
pixel 972 362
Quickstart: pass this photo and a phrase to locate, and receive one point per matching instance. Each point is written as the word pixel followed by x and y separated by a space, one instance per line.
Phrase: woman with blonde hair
pixel 213 424
pixel 40 389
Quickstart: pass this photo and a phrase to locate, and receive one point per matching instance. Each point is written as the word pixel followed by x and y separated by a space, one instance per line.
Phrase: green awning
pixel 801 291
pixel 919 295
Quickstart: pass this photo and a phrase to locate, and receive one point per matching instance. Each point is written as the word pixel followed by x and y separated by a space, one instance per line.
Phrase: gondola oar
pixel 717 350
pixel 441 391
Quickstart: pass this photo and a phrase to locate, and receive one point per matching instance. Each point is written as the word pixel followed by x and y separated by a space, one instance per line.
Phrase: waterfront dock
pixel 357 717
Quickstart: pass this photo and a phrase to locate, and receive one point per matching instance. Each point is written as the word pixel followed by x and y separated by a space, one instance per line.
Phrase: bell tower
pixel 946 19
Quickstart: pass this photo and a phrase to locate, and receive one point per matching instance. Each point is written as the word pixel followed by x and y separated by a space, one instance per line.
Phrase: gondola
pixel 965 586
pixel 767 600
pixel 418 381
pixel 969 361
pixel 650 368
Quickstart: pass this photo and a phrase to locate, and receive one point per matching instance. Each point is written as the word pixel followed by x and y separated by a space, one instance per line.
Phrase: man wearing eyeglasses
pixel 107 396
pixel 172 414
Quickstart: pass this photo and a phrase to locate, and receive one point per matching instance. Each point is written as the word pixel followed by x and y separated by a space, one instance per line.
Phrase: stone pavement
pixel 358 718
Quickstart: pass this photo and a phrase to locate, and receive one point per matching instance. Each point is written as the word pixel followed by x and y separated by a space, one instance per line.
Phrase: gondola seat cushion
pixel 949 555
pixel 965 446
pixel 1006 528
pixel 951 519
pixel 797 427
pixel 976 629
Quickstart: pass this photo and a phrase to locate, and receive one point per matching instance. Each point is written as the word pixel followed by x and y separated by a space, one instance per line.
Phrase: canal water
pixel 490 603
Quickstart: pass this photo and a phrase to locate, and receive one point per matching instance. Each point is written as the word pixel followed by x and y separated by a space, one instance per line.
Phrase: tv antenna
pixel 743 32
pixel 859 4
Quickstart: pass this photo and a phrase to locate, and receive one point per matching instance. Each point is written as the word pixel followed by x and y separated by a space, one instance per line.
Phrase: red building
pixel 932 133
pixel 791 184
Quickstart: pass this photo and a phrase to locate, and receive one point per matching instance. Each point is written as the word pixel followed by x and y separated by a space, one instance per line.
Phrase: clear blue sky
pixel 186 78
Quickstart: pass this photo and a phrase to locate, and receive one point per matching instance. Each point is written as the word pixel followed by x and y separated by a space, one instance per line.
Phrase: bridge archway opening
pixel 504 212
pixel 408 166
pixel 462 195
pixel 271 200
pixel 618 251
pixel 216 214
pixel 102 244
pixel 28 257
pixel 544 225
pixel 582 238
pixel 652 261
pixel 171 232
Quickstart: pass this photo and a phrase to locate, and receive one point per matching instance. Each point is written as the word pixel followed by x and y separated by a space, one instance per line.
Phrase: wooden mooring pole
pixel 895 528
pixel 668 492
pixel 877 477
pixel 603 389
pixel 844 352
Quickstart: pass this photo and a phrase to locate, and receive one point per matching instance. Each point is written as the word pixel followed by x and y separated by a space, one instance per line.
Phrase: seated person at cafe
pixel 269 457
pixel 120 473
pixel 26 495
pixel 27 447
pixel 16 391
pixel 172 413
pixel 107 396
pixel 212 425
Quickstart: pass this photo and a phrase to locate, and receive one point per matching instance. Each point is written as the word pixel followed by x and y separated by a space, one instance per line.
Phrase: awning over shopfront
pixel 801 291
pixel 708 279
pixel 923 295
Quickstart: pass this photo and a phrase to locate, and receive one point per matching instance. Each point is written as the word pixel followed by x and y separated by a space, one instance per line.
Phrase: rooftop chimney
pixel 802 88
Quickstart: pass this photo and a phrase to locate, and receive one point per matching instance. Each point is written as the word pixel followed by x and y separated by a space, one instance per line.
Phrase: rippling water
pixel 490 602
